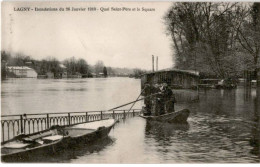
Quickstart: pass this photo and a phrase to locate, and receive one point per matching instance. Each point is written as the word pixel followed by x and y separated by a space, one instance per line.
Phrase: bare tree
pixel 204 35
pixel 99 66
pixel 248 35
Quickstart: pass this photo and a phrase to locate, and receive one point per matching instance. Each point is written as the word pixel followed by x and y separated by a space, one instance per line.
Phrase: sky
pixel 118 38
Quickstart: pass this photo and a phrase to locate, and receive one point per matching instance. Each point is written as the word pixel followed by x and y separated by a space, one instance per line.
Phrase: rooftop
pixel 62 66
pixel 19 67
pixel 191 72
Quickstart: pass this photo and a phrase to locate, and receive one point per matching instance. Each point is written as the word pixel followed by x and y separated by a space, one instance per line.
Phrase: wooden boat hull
pixel 72 135
pixel 174 117
pixel 85 135
pixel 33 154
pixel 31 151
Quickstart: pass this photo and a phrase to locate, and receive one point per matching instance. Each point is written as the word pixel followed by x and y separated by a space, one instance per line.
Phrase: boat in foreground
pixel 88 132
pixel 33 146
pixel 24 146
pixel 173 117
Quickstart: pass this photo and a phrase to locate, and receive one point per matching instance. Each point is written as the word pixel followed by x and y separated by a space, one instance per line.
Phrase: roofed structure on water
pixel 181 79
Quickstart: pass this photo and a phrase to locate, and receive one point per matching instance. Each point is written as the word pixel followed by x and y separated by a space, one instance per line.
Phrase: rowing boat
pixel 33 146
pixel 173 117
pixel 89 132
pixel 23 146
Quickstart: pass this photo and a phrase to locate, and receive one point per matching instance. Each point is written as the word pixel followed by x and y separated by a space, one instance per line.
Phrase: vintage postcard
pixel 130 82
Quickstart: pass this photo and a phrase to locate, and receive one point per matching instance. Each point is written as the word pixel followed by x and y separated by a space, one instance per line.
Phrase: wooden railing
pixel 12 125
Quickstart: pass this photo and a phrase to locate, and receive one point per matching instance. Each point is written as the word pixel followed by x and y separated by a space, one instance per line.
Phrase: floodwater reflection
pixel 164 131
pixel 66 155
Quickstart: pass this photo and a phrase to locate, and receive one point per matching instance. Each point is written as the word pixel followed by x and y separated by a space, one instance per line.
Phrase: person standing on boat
pixel 154 100
pixel 163 99
pixel 169 99
pixel 148 100
pixel 158 103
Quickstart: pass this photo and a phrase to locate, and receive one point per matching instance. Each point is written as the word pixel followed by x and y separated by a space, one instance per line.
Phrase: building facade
pixel 22 71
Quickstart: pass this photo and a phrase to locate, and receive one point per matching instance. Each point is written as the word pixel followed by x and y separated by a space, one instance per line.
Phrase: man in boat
pixel 157 105
pixel 168 98
pixel 148 100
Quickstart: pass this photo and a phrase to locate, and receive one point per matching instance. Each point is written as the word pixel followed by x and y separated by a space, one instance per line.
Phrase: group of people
pixel 159 99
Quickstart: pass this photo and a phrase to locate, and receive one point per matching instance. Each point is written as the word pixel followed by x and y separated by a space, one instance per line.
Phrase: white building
pixel 22 71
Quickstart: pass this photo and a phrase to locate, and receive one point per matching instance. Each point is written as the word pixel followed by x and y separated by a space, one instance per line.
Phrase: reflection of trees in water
pixel 163 135
pixel 247 94
pixel 163 131
pixel 255 140
pixel 65 155
pixel 232 103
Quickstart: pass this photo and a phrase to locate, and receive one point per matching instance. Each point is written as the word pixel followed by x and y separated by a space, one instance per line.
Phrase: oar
pixel 125 104
pixel 136 99
pixel 131 102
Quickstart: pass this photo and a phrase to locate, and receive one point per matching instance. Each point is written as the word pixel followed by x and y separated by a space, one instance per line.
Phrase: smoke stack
pixel 153 62
pixel 156 63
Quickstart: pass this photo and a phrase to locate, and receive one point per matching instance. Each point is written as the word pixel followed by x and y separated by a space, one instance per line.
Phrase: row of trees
pixel 71 65
pixel 100 68
pixel 219 39
pixel 137 72
pixel 51 64
pixel 74 66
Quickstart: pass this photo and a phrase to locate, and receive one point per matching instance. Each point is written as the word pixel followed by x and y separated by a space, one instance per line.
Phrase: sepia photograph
pixel 114 82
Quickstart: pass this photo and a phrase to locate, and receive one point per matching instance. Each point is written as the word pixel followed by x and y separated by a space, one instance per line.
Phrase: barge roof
pixel 190 72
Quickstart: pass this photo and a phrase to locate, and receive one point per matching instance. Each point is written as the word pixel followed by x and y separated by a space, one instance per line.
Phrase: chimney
pixel 153 62
pixel 156 63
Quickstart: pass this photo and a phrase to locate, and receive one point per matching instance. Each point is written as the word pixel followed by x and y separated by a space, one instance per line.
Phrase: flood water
pixel 222 126
pixel 21 96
